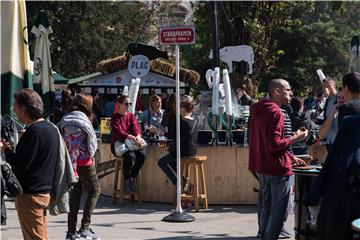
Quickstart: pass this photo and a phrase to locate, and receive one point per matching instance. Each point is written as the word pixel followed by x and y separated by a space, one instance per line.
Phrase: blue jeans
pixel 274 197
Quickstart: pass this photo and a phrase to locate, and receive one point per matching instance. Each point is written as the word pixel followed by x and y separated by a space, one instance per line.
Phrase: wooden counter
pixel 228 180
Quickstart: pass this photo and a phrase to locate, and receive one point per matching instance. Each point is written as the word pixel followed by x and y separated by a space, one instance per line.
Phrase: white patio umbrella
pixel 42 73
pixel 15 60
pixel 354 65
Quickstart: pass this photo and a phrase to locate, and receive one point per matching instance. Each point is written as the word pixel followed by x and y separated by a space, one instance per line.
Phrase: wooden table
pixel 228 180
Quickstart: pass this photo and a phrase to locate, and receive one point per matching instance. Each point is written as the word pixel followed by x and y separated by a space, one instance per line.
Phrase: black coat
pixel 338 184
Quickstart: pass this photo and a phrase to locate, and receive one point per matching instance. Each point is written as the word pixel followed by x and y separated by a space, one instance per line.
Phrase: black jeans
pixel 87 179
pixel 129 170
pixel 168 166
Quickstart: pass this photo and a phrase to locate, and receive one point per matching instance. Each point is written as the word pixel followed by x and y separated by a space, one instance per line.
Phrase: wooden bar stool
pixel 197 164
pixel 120 191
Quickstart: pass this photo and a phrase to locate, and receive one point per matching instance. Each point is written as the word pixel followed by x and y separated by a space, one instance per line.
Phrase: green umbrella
pixel 15 60
pixel 42 74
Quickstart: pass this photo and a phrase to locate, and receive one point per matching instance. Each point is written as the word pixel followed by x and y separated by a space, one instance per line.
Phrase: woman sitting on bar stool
pixel 124 125
pixel 151 119
pixel 188 146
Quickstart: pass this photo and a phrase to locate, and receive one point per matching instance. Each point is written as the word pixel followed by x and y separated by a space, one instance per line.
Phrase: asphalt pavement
pixel 133 221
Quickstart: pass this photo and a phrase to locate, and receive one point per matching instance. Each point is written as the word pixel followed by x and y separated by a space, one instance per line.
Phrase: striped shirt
pixel 287 126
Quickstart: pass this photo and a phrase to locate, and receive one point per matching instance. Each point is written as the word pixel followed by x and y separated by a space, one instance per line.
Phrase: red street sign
pixel 177 35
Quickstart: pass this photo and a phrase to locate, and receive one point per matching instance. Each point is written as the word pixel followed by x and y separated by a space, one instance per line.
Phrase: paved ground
pixel 133 221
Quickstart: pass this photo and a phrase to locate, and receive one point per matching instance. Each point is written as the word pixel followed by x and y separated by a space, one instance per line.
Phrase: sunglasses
pixel 127 104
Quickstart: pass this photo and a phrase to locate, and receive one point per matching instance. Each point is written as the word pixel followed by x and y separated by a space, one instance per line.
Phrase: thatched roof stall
pixel 157 66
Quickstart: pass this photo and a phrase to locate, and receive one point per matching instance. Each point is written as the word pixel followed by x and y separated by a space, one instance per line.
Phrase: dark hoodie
pixel 268 146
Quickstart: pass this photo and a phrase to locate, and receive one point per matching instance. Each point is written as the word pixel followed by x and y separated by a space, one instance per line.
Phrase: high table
pixel 228 180
pixel 305 228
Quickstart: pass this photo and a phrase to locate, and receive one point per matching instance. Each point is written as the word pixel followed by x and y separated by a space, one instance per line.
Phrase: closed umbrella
pixel 354 54
pixel 42 74
pixel 15 60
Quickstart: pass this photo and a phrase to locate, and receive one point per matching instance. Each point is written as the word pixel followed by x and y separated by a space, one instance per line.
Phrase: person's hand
pixel 299 135
pixel 4 144
pixel 138 140
pixel 298 162
pixel 152 129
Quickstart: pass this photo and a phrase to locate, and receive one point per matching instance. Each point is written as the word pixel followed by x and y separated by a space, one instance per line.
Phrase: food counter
pixel 228 180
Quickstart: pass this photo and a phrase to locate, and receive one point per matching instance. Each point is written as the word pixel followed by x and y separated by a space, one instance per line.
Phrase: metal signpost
pixel 177 36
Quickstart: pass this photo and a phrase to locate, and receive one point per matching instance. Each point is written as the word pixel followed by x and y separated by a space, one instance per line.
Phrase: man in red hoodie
pixel 269 157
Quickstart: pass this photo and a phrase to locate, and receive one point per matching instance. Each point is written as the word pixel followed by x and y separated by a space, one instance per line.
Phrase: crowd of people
pixel 40 150
pixel 285 124
pixel 337 189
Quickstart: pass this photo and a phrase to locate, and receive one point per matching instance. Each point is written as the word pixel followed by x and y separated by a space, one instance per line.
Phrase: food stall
pixel 228 180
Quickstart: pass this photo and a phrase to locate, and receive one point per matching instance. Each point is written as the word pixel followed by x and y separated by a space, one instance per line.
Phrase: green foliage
pixel 290 39
pixel 318 37
pixel 87 32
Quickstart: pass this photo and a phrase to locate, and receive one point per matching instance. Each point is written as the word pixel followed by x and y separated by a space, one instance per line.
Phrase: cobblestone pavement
pixel 133 221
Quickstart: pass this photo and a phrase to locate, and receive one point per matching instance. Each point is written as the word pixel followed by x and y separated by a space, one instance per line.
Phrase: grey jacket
pixel 63 180
pixel 80 120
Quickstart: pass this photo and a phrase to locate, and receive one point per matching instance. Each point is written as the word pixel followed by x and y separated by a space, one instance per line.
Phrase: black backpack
pixel 11 185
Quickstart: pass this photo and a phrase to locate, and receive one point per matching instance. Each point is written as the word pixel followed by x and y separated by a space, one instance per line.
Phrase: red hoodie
pixel 268 146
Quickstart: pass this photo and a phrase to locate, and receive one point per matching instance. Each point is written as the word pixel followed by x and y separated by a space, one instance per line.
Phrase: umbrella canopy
pixel 42 74
pixel 354 54
pixel 15 60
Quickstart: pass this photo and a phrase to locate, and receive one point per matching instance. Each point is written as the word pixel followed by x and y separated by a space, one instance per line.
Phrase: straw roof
pixel 158 66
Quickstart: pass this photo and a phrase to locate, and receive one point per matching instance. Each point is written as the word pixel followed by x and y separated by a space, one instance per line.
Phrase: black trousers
pixel 130 170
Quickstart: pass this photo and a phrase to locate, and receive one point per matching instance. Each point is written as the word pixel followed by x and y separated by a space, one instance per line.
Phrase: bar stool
pixel 120 191
pixel 197 164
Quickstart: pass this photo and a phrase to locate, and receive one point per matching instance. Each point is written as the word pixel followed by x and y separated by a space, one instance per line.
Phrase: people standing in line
pixel 269 158
pixel 80 138
pixel 351 93
pixel 331 123
pixel 329 87
pixel 151 119
pixel 33 163
pixel 124 125
pixel 188 142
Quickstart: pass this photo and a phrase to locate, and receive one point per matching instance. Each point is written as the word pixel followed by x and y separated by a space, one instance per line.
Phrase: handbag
pixel 12 186
pixel 134 147
pixel 120 148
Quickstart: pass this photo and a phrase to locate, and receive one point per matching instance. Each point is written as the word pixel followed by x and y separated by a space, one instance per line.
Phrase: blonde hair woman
pixel 152 118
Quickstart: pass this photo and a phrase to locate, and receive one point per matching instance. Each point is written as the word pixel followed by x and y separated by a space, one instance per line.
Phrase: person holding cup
pixel 152 117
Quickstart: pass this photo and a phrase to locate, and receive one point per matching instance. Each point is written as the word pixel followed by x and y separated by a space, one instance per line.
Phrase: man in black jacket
pixel 33 163
pixel 351 92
